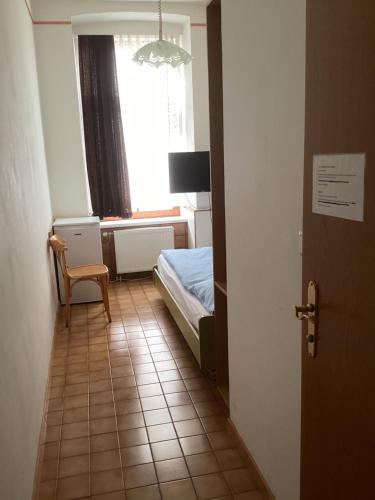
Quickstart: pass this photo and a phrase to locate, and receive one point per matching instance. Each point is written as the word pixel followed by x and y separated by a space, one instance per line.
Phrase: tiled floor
pixel 130 415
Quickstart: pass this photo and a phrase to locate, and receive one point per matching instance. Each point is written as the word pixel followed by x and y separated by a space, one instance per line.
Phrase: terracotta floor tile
pixel 146 378
pixel 102 425
pixel 54 417
pixel 106 481
pixel 162 356
pixel 136 455
pixel 139 475
pixel 181 490
pixel 76 415
pixel 100 398
pixel 59 380
pixel 188 428
pixel 126 385
pixel 77 368
pixel 249 495
pixel 73 487
pixel 165 365
pixel 153 403
pixel 189 372
pixel 56 392
pixel 103 374
pixel 178 399
pixel 139 359
pixel 122 382
pixel 126 406
pixel 221 440
pixel 195 444
pixel 161 432
pixel 171 470
pixel 140 350
pixel 173 386
pixel 76 389
pixel 55 404
pixel 77 378
pixel 185 362
pixel 75 430
pixel 169 376
pixel 104 442
pixel 144 368
pixel 76 401
pixel 51 450
pixel 72 447
pixel 148 390
pixel 130 421
pixel 116 495
pixel 105 460
pixel 202 463
pixel 126 393
pixel 157 341
pixel 100 339
pixel 47 490
pixel 239 480
pixel 100 386
pixel 74 465
pixel 185 412
pixel 229 459
pixel 154 417
pixel 201 395
pixel 210 486
pixel 102 411
pixel 209 409
pixel 118 344
pixel 133 437
pixel 49 469
pixel 213 424
pixel 121 371
pixel 144 493
pixel 100 364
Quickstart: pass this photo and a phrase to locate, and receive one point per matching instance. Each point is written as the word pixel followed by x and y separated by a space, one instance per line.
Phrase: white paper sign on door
pixel 338 185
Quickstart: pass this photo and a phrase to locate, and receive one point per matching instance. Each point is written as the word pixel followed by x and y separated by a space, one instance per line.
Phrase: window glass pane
pixel 153 105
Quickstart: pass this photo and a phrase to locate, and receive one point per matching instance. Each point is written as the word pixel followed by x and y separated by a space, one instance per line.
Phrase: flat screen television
pixel 189 172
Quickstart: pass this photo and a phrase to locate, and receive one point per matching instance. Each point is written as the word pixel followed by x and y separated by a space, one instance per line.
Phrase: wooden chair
pixel 73 275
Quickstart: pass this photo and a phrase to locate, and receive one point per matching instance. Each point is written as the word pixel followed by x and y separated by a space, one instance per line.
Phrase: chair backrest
pixel 58 245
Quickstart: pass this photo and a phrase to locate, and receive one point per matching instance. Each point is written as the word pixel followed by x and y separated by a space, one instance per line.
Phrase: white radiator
pixel 139 249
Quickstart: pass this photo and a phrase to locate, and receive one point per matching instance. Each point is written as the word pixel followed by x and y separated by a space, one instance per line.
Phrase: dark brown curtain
pixel 104 139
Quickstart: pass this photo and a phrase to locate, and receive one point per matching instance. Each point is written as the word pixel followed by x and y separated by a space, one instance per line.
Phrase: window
pixel 154 115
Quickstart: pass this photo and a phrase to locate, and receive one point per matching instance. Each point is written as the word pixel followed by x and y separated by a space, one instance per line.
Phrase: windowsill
pixel 151 221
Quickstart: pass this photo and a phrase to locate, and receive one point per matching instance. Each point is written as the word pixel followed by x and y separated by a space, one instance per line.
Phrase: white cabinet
pixel 82 236
pixel 199 226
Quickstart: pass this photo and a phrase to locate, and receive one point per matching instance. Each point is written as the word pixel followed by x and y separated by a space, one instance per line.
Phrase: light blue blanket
pixel 194 269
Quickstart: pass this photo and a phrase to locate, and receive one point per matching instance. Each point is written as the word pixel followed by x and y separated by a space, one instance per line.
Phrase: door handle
pixel 304 312
pixel 309 311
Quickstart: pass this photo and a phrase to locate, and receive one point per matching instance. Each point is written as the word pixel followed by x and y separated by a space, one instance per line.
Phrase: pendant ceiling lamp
pixel 161 51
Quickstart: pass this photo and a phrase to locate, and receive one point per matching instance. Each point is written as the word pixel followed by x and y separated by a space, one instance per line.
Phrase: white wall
pixel 55 55
pixel 263 66
pixel 27 303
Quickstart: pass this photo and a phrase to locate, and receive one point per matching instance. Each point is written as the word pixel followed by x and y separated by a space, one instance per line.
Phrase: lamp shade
pixel 162 52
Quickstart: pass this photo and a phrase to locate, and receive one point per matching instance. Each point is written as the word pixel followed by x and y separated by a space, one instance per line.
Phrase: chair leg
pixel 67 301
pixel 104 287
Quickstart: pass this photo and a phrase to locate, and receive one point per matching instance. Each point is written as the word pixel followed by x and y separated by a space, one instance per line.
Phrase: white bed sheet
pixel 189 304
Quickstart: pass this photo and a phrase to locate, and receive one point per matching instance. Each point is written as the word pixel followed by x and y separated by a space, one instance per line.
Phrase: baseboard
pixel 43 426
pixel 262 485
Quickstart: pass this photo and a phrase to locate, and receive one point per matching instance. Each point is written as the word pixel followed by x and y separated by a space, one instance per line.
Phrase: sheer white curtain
pixel 153 106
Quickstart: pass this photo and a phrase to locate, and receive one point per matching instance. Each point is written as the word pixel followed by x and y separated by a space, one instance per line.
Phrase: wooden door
pixel 215 80
pixel 338 385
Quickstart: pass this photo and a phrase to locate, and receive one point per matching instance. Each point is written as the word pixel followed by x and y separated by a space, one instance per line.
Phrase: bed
pixel 185 280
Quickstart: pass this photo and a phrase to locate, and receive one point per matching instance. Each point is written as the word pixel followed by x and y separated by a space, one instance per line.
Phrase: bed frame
pixel 202 342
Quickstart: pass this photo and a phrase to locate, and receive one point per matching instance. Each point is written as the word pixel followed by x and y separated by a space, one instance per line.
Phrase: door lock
pixel 310 312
